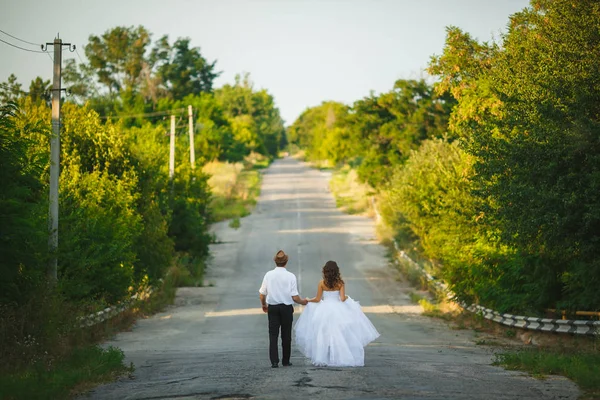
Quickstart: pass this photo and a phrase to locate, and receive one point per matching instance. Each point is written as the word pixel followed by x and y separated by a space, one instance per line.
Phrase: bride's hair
pixel 331 275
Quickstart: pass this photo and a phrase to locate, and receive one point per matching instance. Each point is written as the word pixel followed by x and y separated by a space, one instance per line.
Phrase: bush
pixel 98 234
pixel 581 367
pixel 430 200
pixel 189 202
pixel 154 247
pixel 35 331
pixel 23 207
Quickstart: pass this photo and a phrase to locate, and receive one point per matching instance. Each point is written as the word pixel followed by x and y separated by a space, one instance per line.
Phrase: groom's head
pixel 280 258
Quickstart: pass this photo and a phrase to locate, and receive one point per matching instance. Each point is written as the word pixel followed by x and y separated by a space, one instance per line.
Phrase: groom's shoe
pixel 274 365
pixel 288 365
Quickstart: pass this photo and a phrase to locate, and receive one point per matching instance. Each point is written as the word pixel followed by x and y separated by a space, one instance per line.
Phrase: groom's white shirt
pixel 279 285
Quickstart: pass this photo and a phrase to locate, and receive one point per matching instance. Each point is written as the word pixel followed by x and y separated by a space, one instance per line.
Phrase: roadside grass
pixel 82 369
pixel 412 274
pixel 351 196
pixel 581 367
pixel 235 187
pixel 435 308
pixel 235 223
pixel 539 354
pixel 187 271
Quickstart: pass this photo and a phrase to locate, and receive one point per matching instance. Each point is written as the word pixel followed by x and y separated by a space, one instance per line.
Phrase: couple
pixel 332 330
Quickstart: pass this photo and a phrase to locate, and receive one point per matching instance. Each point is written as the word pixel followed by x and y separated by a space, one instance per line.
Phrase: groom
pixel 279 288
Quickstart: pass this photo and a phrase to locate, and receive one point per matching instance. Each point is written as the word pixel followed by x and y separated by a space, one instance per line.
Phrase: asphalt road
pixel 213 343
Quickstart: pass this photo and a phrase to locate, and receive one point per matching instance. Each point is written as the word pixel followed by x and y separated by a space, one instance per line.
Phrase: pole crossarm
pixel 72 47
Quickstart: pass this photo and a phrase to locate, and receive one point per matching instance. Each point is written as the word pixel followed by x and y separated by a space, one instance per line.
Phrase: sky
pixel 303 52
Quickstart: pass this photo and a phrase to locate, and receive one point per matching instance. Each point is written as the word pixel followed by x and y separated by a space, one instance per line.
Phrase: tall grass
pixel 235 187
pixel 187 271
pixel 351 196
pixel 83 367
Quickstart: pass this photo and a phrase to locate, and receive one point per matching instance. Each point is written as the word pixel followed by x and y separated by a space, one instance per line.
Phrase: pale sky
pixel 302 51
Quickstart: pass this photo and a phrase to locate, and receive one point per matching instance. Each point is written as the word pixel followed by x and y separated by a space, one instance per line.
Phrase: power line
pixel 51 59
pixel 153 114
pixel 22 48
pixel 77 52
pixel 91 85
pixel 21 40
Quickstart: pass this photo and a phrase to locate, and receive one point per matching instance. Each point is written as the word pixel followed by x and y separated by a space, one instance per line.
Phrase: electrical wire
pixel 21 40
pixel 92 86
pixel 153 114
pixel 78 56
pixel 22 48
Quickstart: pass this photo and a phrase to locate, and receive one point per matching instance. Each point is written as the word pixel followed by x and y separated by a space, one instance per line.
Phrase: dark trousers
pixel 280 315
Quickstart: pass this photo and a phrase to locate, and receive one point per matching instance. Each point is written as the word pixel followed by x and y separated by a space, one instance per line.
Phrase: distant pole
pixel 172 149
pixel 192 150
pixel 54 163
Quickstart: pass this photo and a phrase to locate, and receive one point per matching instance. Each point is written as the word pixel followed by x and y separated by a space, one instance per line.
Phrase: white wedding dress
pixel 334 332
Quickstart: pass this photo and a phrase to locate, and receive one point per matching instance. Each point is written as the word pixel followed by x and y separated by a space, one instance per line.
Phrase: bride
pixel 333 330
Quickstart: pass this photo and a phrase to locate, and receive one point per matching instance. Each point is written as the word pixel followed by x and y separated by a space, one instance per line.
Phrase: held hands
pixel 304 302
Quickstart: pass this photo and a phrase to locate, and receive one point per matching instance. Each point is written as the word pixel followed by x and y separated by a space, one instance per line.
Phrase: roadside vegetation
pixel 235 187
pixel 125 222
pixel 82 368
pixel 581 366
pixel 538 353
pixel 488 174
pixel 488 177
pixel 351 195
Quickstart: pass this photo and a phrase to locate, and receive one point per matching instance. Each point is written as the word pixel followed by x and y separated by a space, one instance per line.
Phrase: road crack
pixel 182 380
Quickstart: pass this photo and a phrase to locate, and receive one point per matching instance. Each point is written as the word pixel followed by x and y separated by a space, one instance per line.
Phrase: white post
pixel 54 164
pixel 192 150
pixel 172 149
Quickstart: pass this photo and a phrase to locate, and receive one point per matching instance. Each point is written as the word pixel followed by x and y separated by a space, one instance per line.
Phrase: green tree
pixel 530 118
pixel 214 135
pixel 99 230
pixel 323 132
pixel 118 57
pixel 100 224
pixel 255 121
pixel 190 214
pixel 22 206
pixel 11 90
pixel 40 91
pixel 148 148
pixel 79 79
pixel 388 126
pixel 463 68
pixel 182 70
pixel 429 201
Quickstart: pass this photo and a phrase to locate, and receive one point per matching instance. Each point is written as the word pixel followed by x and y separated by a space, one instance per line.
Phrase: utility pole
pixel 192 150
pixel 55 160
pixel 172 149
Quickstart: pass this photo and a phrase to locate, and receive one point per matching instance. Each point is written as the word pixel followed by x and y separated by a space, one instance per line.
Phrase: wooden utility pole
pixel 54 161
pixel 172 149
pixel 192 150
